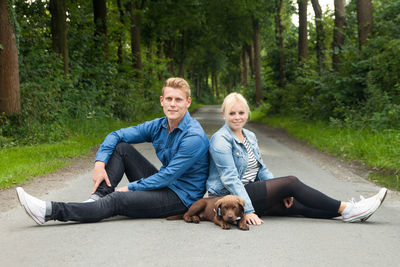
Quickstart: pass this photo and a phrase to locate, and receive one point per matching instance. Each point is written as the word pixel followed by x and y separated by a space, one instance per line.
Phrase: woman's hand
pixel 288 202
pixel 122 189
pixel 253 219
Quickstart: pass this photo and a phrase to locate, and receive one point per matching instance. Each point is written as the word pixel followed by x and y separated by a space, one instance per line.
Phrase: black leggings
pixel 267 198
pixel 137 204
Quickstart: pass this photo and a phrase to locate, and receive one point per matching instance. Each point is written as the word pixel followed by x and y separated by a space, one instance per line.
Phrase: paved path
pixel 157 242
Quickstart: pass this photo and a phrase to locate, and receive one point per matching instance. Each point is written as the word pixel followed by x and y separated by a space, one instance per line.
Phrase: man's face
pixel 174 103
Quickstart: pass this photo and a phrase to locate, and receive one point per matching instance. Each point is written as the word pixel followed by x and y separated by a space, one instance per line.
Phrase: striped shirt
pixel 252 167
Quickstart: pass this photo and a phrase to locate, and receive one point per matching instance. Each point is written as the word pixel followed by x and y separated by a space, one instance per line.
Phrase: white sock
pixel 349 207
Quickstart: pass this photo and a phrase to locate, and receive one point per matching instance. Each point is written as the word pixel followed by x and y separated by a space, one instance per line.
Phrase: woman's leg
pixel 125 159
pixel 299 209
pixel 137 204
pixel 311 201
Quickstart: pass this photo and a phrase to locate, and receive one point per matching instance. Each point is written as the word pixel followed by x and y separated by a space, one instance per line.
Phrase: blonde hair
pixel 231 99
pixel 177 83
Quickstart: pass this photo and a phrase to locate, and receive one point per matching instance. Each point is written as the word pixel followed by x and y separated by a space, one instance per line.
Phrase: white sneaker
pixel 92 198
pixel 361 210
pixel 381 196
pixel 34 207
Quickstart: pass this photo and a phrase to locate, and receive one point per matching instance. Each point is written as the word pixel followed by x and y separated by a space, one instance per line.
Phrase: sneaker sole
pixel 383 198
pixel 363 215
pixel 21 198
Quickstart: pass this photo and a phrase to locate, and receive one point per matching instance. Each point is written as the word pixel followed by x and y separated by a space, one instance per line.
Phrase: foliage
pixel 363 93
pixel 95 88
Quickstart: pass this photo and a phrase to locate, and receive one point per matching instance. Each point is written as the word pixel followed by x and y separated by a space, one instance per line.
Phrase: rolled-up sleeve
pixel 132 135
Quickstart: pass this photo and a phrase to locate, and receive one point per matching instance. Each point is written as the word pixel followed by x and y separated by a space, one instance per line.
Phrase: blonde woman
pixel 236 167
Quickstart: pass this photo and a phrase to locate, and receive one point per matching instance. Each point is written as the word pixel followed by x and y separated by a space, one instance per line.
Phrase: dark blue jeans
pixel 126 159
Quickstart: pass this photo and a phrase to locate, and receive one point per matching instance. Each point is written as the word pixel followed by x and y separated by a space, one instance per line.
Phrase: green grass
pixel 21 163
pixel 378 150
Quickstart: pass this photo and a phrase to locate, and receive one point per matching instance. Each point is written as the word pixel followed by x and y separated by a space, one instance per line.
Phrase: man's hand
pixel 99 175
pixel 253 219
pixel 288 202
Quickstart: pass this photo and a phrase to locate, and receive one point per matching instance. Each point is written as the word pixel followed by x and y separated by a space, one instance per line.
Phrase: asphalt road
pixel 281 241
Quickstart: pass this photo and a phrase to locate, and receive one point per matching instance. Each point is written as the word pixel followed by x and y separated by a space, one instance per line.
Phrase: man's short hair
pixel 177 83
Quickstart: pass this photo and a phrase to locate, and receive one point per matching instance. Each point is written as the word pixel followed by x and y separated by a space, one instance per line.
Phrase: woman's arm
pixel 221 152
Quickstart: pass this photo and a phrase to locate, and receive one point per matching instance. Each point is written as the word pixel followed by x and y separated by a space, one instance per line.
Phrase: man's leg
pixel 137 204
pixel 125 159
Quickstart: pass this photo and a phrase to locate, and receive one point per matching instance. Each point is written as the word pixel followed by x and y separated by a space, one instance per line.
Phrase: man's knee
pixel 123 148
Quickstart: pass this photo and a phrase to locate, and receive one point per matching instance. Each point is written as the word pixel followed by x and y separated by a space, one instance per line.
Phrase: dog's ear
pixel 218 207
pixel 241 205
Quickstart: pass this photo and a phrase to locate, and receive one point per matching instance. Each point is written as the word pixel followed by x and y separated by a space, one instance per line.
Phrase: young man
pixel 182 147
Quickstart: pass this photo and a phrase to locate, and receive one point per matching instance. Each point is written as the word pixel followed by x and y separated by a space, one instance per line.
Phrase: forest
pixel 67 63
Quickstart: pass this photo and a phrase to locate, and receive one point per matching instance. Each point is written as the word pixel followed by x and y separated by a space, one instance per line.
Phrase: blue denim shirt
pixel 182 152
pixel 228 162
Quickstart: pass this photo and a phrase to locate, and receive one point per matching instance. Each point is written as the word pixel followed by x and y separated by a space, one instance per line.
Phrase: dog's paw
pixel 187 218
pixel 196 219
pixel 244 226
pixel 226 226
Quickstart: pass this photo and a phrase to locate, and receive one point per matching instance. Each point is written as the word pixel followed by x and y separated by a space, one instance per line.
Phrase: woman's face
pixel 236 116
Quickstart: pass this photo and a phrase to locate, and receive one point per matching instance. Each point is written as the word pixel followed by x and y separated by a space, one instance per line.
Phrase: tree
pixel 120 39
pixel 9 73
pixel 365 21
pixel 59 30
pixel 257 59
pixel 279 38
pixel 320 46
pixel 100 22
pixel 338 36
pixel 303 40
pixel 135 9
pixel 243 69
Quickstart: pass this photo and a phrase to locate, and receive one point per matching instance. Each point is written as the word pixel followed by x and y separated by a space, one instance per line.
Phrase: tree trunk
pixel 243 69
pixel 216 85
pixel 9 76
pixel 170 53
pixel 257 59
pixel 280 42
pixel 136 20
pixel 338 36
pixel 59 30
pixel 320 46
pixel 120 40
pixel 181 71
pixel 303 39
pixel 100 22
pixel 250 53
pixel 364 18
pixel 160 56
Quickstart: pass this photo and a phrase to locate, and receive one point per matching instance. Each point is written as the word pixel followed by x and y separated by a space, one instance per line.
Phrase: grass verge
pixel 21 163
pixel 378 150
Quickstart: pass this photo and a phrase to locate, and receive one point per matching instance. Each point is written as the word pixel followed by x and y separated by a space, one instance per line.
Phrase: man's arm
pixel 191 149
pixel 134 134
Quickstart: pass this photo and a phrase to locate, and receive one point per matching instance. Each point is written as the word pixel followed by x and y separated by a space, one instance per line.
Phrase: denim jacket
pixel 228 162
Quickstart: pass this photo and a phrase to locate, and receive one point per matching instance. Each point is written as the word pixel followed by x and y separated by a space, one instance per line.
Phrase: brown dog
pixel 223 211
